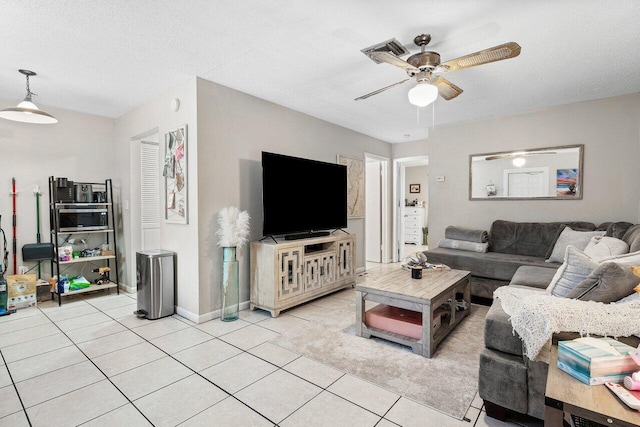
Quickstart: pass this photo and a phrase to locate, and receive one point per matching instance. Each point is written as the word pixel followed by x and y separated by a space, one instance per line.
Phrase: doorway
pixel 376 218
pixel 410 207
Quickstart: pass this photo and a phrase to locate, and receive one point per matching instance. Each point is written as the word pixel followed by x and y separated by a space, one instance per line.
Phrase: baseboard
pixel 207 316
pixel 127 288
pixel 187 314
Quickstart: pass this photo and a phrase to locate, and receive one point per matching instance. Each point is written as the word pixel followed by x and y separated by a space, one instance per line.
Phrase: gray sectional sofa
pixel 507 378
pixel 511 246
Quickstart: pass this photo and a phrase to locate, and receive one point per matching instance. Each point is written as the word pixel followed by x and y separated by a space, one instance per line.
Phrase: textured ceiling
pixel 108 57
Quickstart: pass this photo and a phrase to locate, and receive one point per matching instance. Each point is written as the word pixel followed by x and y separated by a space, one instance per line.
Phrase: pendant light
pixel 27 111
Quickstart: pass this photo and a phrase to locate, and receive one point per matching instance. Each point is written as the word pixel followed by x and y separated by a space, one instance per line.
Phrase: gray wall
pixel 79 147
pixel 233 129
pixel 608 128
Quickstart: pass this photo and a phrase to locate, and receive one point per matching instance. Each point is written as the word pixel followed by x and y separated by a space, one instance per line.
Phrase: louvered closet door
pixel 150 194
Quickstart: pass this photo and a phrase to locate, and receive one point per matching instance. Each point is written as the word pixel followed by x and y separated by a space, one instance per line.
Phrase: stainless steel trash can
pixel 156 281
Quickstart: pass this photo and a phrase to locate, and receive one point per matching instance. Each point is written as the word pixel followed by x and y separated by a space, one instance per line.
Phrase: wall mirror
pixel 543 173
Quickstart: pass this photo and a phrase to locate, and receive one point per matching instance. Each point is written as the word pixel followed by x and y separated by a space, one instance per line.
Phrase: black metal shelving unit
pixel 110 236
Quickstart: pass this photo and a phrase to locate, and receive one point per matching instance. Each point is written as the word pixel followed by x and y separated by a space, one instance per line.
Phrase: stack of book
pixel 595 361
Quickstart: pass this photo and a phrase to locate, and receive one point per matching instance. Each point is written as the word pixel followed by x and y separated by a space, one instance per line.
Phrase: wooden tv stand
pixel 287 273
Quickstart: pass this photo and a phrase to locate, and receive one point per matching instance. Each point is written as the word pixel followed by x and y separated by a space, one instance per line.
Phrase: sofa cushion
pixel 576 268
pixel 533 277
pixel 632 258
pixel 609 282
pixel 494 265
pixel 615 229
pixel 568 236
pixel 528 238
pixel 498 332
pixel 632 237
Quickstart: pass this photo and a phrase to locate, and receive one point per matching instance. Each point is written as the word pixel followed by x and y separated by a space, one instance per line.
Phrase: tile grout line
pixel 107 378
pixel 16 389
pixel 331 392
pixel 188 367
pixel 201 376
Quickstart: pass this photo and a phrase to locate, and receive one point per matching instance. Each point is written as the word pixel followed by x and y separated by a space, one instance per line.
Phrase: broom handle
pixel 38 224
pixel 15 241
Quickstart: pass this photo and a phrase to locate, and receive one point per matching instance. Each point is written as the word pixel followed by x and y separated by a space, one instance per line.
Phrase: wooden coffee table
pixel 437 289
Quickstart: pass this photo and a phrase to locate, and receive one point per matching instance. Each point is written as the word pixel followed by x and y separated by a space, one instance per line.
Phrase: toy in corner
pixel 103 275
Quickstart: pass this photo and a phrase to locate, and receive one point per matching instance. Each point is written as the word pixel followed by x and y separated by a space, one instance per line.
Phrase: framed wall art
pixel 175 176
pixel 355 186
pixel 414 188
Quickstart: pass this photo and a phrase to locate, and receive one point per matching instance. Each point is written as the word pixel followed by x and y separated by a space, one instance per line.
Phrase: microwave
pixel 82 219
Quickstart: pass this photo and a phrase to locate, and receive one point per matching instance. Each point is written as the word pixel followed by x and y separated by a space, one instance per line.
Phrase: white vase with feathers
pixel 232 235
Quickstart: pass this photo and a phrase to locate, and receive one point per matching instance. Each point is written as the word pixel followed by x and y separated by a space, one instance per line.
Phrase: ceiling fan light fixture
pixel 26 111
pixel 423 94
pixel 519 162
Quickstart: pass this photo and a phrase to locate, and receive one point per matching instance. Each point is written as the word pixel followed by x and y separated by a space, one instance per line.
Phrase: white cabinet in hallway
pixel 413 223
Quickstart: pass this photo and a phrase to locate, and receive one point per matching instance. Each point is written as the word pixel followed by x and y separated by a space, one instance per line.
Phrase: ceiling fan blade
pixel 390 58
pixel 446 89
pixel 504 156
pixel 375 92
pixel 496 53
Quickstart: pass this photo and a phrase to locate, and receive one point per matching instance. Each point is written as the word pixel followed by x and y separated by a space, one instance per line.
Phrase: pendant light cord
pixel 29 93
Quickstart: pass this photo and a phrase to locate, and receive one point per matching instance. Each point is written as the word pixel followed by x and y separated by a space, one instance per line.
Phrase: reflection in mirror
pixel 541 173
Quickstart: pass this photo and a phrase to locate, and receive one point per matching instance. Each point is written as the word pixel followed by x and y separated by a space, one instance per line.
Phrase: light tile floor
pixel 92 362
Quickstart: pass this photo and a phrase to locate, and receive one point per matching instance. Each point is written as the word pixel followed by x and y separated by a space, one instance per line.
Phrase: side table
pixel 565 394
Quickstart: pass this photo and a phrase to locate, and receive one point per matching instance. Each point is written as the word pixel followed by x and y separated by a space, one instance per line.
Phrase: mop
pixel 37 194
pixel 15 240
pixel 37 251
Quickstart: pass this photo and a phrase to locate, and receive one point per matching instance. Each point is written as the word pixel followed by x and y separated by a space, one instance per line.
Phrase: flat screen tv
pixel 301 195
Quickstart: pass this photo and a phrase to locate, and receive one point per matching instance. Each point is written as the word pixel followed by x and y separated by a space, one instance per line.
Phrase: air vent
pixel 392 45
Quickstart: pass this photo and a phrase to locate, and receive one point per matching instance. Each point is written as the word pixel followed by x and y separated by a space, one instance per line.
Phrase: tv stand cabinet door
pixel 328 272
pixel 290 272
pixel 345 258
pixel 312 273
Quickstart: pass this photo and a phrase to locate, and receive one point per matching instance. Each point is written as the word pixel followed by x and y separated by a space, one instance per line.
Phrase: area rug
pixel 447 382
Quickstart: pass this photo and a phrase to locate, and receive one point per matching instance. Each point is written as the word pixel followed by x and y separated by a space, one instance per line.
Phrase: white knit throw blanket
pixel 536 316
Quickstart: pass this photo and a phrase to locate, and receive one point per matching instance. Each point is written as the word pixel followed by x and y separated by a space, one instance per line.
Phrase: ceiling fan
pixel 426 67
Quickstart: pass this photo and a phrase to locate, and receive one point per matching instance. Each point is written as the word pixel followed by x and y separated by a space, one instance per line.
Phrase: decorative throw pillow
pixel 578 239
pixel 632 237
pixel 576 268
pixel 604 247
pixel 632 258
pixel 607 283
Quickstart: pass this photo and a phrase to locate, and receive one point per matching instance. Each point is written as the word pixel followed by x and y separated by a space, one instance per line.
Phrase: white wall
pixel 156 116
pixel 79 147
pixel 417 175
pixel 609 130
pixel 234 128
